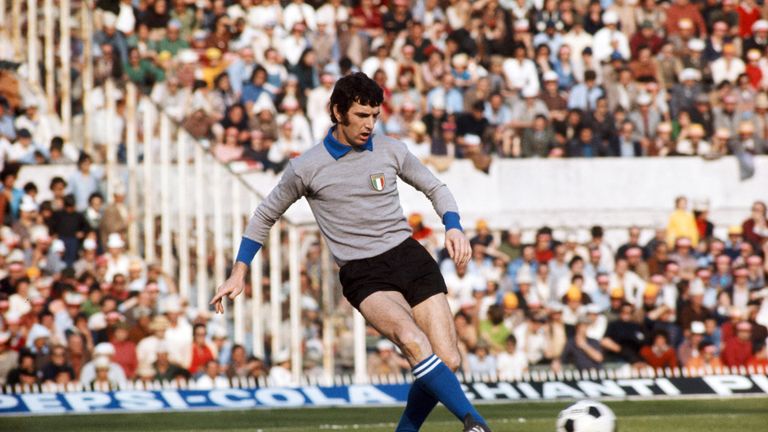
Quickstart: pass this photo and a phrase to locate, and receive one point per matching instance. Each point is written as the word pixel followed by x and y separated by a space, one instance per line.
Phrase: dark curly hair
pixel 356 87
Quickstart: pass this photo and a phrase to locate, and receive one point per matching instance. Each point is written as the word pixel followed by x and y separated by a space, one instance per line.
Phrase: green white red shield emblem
pixel 377 181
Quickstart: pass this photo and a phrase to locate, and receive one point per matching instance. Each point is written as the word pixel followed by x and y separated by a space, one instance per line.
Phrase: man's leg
pixel 433 316
pixel 391 315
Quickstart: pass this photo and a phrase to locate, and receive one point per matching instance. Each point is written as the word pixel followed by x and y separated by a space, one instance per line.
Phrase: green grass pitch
pixel 694 415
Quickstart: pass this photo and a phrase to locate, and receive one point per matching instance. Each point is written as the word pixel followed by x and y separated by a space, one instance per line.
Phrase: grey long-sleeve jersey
pixel 354 198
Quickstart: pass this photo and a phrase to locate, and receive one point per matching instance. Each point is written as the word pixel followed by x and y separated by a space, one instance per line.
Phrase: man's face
pixel 672 271
pixel 723 263
pixel 744 333
pixel 496 102
pixel 585 135
pixel 529 253
pixel 356 126
pixel 626 129
pixel 514 238
pixel 58 356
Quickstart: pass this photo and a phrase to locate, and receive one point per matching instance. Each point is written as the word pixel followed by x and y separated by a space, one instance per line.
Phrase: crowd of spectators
pixel 75 305
pixel 681 298
pixel 462 79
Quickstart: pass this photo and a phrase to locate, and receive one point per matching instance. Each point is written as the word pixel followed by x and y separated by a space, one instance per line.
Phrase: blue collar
pixel 337 149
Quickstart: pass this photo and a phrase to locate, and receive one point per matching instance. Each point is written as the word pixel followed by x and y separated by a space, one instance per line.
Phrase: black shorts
pixel 407 268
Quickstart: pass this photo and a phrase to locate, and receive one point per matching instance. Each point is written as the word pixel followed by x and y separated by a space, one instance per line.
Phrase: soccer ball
pixel 586 416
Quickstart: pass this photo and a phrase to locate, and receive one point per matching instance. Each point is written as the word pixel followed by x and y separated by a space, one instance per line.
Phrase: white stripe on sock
pixel 428 362
pixel 428 370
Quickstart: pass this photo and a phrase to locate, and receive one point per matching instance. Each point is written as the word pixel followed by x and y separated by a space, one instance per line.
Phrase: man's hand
pixel 458 248
pixel 231 288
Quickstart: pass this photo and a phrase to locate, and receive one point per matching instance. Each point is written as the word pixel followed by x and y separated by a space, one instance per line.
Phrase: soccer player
pixel 350 183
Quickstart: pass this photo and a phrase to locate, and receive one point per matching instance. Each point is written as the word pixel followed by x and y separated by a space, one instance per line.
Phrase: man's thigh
pixel 389 313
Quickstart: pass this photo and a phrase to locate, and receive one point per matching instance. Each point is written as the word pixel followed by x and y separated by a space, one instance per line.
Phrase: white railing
pixel 536 375
pixel 220 205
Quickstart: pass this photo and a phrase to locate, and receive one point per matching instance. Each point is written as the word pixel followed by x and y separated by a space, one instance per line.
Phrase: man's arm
pixel 413 172
pixel 288 191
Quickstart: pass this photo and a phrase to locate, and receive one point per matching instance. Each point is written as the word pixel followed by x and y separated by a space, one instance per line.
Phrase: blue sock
pixel 420 404
pixel 437 379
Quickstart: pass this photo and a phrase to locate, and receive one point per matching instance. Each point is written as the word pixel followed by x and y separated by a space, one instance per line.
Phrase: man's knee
pixel 412 341
pixel 451 359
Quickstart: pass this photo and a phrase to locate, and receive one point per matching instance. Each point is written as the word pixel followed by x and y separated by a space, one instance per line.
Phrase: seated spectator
pixel 493 332
pixel 125 349
pixel 58 371
pixel 584 96
pixel 708 358
pixel 211 378
pixel 581 351
pixel 230 149
pixel 511 363
pixel 623 338
pixel 481 361
pixel 533 339
pixel 585 145
pixel 102 379
pixel 738 348
pixel 466 331
pixel 164 369
pixel 386 361
pixel 280 372
pixel 537 140
pixel 23 149
pixel 25 372
pixel 688 351
pixel 659 354
pixel 755 228
pixel 150 346
pixel 9 358
pixel 238 365
pixel 142 72
pixel 695 145
pixel 103 355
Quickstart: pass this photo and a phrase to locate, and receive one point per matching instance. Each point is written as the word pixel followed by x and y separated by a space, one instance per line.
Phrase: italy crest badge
pixel 377 181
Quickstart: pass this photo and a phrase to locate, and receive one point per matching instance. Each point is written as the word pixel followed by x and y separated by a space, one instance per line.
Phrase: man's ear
pixel 334 111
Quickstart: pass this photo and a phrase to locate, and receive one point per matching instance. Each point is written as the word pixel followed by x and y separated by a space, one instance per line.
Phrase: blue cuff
pixel 247 250
pixel 451 220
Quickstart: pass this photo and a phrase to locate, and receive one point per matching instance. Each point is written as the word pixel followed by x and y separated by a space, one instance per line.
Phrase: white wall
pixel 566 193
pixel 580 192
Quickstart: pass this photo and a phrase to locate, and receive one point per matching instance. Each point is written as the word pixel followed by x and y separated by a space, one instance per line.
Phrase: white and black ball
pixel 586 416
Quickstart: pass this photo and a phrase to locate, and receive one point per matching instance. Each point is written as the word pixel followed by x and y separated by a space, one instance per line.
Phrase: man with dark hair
pixel 624 338
pixel 70 227
pixel 350 181
pixel 58 188
pixel 584 95
pixel 659 354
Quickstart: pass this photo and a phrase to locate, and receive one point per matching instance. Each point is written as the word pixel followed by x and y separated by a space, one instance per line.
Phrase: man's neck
pixel 339 137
